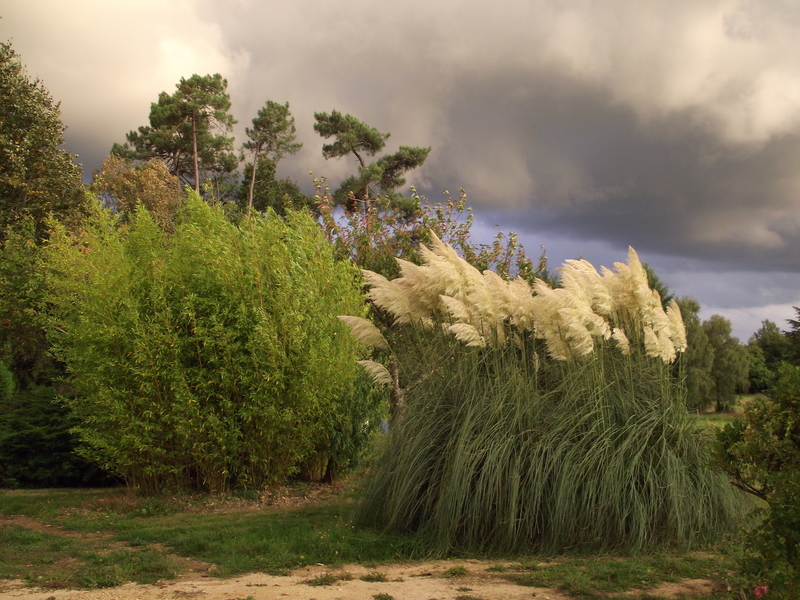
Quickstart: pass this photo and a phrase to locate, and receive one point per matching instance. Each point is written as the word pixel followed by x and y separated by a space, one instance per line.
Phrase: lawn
pixel 103 538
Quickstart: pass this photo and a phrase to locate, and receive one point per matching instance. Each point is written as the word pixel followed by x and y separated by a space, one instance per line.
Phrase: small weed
pixel 497 569
pixel 468 597
pixel 454 572
pixel 326 579
pixel 374 577
pixel 383 597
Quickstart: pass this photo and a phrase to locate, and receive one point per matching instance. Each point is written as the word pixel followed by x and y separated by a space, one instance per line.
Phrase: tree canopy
pixel 36 176
pixel 698 359
pixel 188 131
pixel 271 137
pixel 381 177
pixel 731 366
pixel 124 187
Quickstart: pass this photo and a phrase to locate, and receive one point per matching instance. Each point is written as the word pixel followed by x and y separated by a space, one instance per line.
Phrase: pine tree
pixel 379 178
pixel 271 137
pixel 188 131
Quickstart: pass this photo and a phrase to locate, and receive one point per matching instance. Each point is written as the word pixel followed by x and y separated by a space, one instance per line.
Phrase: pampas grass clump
pixel 538 419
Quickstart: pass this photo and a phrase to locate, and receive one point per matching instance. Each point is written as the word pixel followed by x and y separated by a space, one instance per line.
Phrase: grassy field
pixel 718 420
pixel 102 538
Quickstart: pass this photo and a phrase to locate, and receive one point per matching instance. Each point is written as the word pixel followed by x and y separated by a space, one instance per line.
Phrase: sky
pixel 672 126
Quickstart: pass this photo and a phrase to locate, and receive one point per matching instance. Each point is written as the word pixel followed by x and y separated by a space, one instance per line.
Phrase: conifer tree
pixel 381 177
pixel 272 137
pixel 188 131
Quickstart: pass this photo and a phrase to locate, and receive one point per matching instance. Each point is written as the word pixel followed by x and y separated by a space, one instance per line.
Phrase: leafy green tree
pixel 761 454
pixel 211 357
pixel 24 348
pixel 188 131
pixel 271 137
pixel 793 337
pixel 125 186
pixel 698 359
pixel 378 179
pixel 37 448
pixel 731 366
pixel 37 178
pixel 774 343
pixel 761 378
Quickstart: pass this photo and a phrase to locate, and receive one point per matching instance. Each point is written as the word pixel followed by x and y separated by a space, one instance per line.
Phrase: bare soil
pixel 402 581
pixel 411 581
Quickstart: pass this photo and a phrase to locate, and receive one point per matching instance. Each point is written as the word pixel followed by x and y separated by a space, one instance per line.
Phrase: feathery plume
pixel 677 329
pixel 468 334
pixel 365 332
pixel 379 373
pixel 389 296
pixel 622 341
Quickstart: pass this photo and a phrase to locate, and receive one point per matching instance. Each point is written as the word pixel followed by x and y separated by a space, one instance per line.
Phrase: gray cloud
pixel 673 126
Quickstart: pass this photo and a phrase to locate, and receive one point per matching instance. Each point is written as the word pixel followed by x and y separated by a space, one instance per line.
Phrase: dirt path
pixel 413 581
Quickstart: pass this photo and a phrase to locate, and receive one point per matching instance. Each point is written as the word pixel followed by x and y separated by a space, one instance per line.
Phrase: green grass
pixel 326 579
pixel 455 572
pixel 102 538
pixel 55 561
pixel 236 537
pixel 617 577
pixel 715 420
pixel 374 577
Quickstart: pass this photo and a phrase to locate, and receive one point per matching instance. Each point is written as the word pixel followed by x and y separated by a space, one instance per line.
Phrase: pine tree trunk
pixel 194 151
pixel 252 184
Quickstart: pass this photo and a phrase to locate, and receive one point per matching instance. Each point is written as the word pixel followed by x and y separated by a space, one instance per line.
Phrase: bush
pixel 211 357
pixel 36 446
pixel 546 421
pixel 761 453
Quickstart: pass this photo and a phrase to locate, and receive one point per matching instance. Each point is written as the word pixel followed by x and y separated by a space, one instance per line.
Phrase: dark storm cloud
pixel 565 156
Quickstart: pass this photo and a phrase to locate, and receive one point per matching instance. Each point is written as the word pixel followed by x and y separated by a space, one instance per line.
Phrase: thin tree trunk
pixel 194 151
pixel 398 405
pixel 252 183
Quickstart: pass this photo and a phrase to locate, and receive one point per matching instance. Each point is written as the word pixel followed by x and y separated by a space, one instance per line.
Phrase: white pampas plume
pixel 379 373
pixel 522 307
pixel 652 344
pixel 677 328
pixel 622 341
pixel 500 290
pixel 467 334
pixel 419 287
pixel 586 285
pixel 389 296
pixel 365 332
pixel 457 309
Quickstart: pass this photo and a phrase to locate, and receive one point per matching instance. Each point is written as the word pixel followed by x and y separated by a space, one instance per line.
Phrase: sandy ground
pixel 403 581
pixel 413 581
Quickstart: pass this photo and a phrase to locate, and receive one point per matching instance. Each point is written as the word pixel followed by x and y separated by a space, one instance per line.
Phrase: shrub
pixel 373 238
pixel 761 453
pixel 36 446
pixel 544 419
pixel 211 357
